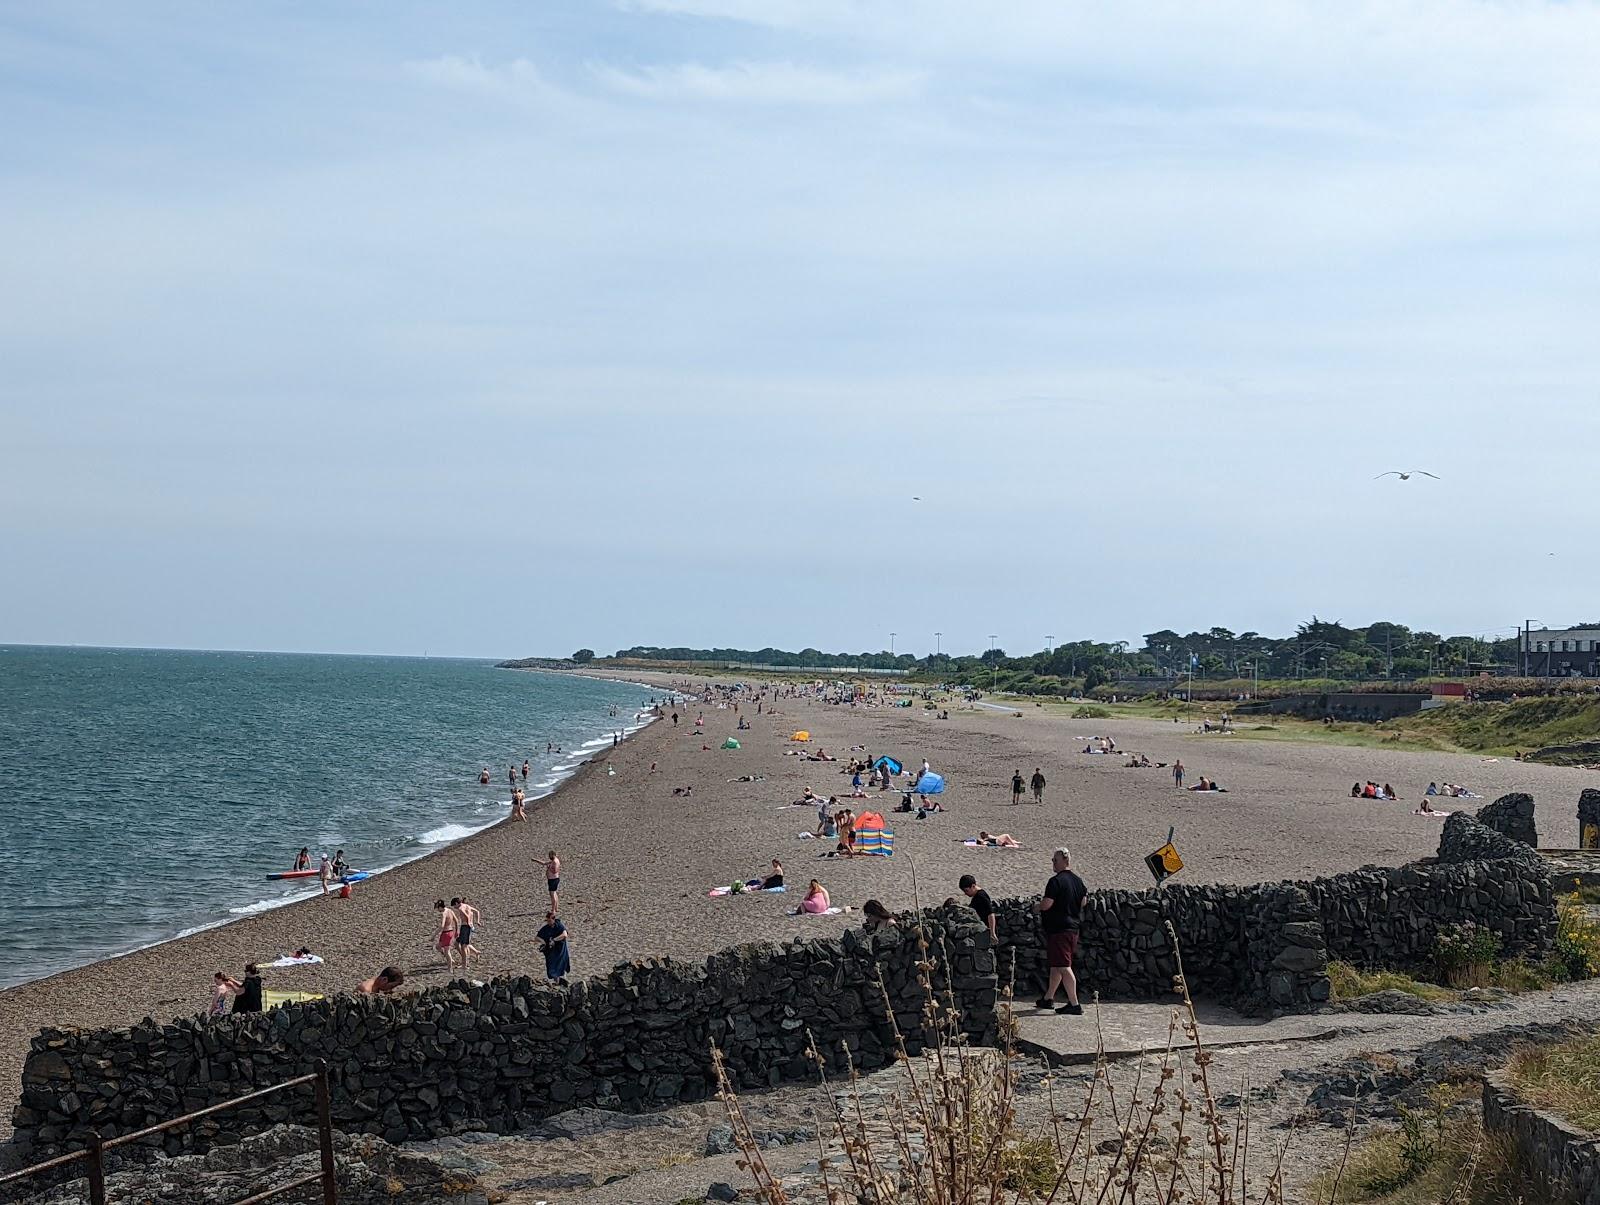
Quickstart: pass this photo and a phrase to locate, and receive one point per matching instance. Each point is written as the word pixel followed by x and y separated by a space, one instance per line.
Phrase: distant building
pixel 1560 653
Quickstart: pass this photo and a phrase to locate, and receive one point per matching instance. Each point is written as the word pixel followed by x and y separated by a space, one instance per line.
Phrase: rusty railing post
pixel 97 1170
pixel 330 1185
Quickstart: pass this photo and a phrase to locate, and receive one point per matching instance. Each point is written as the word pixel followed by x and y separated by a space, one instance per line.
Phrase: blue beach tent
pixel 894 766
pixel 929 784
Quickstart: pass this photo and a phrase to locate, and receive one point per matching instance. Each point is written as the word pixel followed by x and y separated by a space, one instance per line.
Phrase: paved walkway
pixel 1132 1029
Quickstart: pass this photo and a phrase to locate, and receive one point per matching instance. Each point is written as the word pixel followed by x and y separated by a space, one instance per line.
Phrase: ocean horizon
pixel 147 793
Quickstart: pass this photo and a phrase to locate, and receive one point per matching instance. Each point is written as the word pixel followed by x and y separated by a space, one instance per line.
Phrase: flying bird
pixel 916 498
pixel 1408 476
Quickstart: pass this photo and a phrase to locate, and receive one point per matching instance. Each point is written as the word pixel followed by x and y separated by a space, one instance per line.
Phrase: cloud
pixel 518 79
pixel 781 83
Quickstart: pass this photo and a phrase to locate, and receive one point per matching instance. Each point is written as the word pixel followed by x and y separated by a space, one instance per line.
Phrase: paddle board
pixel 293 874
pixel 355 876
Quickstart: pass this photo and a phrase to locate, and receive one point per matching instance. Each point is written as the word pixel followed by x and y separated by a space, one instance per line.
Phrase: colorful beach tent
pixel 872 836
pixel 929 784
pixel 730 743
pixel 802 735
pixel 894 766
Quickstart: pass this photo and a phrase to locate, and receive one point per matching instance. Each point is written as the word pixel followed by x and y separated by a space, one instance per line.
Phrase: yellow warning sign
pixel 1164 862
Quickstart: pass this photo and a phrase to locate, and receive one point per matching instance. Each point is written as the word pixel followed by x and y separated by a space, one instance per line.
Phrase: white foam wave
pixel 446 833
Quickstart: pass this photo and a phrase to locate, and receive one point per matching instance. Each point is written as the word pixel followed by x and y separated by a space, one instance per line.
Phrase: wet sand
pixel 639 861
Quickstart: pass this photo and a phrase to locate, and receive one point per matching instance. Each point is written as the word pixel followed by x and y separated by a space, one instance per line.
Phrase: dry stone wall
pixel 506 1054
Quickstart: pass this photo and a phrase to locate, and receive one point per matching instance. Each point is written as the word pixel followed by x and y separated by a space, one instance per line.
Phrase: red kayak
pixel 293 874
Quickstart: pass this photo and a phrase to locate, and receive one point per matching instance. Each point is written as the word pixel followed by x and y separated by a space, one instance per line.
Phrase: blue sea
pixel 145 794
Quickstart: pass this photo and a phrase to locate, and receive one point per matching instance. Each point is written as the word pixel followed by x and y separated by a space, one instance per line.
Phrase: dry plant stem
pixel 752 1160
pixel 1344 1157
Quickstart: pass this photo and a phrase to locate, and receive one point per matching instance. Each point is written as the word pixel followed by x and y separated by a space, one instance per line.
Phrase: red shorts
pixel 1060 947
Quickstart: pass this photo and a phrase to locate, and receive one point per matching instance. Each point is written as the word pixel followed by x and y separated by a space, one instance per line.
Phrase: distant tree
pixel 990 656
pixel 583 656
pixel 1094 676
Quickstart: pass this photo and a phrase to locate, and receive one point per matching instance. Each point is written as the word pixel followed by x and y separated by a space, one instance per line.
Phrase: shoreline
pixel 243 913
pixel 639 857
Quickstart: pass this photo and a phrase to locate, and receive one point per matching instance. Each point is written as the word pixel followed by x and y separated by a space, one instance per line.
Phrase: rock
pixel 719 1141
pixel 722 1191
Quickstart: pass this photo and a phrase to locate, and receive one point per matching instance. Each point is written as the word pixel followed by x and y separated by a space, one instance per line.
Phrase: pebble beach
pixel 639 861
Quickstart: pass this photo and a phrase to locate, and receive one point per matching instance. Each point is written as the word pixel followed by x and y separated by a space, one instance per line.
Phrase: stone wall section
pixel 1512 816
pixel 505 1055
pixel 1562 1160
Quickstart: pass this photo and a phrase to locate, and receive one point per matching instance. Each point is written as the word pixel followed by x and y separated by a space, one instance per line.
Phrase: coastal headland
pixel 639 860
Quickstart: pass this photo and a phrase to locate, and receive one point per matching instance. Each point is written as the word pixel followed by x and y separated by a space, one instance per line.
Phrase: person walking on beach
pixel 1060 915
pixel 325 872
pixel 557 951
pixel 552 877
pixel 468 921
pixel 1177 774
pixel 1016 788
pixel 1037 783
pixel 248 998
pixel 445 940
pixel 674 717
pixel 981 904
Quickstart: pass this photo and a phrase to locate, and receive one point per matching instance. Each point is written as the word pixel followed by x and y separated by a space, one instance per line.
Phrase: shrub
pixel 1465 954
pixel 1577 939
pixel 1091 713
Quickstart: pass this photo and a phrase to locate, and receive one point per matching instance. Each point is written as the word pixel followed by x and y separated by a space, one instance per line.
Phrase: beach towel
pixel 719 892
pixel 271 999
pixel 730 743
pixel 802 735
pixel 290 961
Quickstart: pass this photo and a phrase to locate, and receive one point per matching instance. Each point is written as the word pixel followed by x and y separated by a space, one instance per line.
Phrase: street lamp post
pixel 1047 644
pixel 938 644
pixel 994 680
pixel 891 646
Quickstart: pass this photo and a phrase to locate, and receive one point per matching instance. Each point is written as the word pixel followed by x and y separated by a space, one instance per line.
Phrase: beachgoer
pixel 518 810
pixel 1388 792
pixel 469 921
pixel 524 769
pixel 223 989
pixel 483 777
pixel 999 840
pixel 340 866
pixel 384 982
pixel 552 877
pixel 816 900
pixel 878 917
pixel 1016 788
pixel 325 872
pixel 1177 774
pixel 557 951
pixel 775 878
pixel 445 940
pixel 248 997
pixel 982 904
pixel 302 860
pixel 1433 789
pixel 674 719
pixel 511 775
pixel 1355 790
pixel 1037 783
pixel 1060 915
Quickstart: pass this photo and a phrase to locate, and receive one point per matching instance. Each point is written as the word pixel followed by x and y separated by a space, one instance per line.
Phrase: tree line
pixel 1319 648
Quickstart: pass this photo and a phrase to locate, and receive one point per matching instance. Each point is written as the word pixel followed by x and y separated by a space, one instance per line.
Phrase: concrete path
pixel 1128 1030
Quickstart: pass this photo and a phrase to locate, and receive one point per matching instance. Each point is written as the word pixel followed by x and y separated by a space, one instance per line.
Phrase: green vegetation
pixel 1564 1078
pixel 1350 983
pixel 1577 945
pixel 1465 954
pixel 1435 1156
pixel 1217 660
pixel 1091 713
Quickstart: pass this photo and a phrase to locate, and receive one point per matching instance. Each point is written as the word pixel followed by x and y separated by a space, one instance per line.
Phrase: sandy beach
pixel 638 861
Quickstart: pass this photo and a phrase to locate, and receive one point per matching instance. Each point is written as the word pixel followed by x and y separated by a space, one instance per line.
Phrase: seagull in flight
pixel 916 498
pixel 1408 476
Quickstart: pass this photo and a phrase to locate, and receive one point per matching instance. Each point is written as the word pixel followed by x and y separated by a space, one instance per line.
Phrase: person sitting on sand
pixel 1425 808
pixel 773 880
pixel 999 840
pixel 383 983
pixel 816 901
pixel 302 860
pixel 877 917
pixel 1388 792
pixel 1433 789
pixel 1355 790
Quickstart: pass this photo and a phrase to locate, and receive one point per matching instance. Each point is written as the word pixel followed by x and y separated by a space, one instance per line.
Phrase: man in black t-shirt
pixel 1016 787
pixel 1060 915
pixel 249 998
pixel 981 904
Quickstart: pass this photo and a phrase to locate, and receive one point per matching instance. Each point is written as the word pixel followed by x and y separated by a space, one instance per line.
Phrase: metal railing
pixel 94 1151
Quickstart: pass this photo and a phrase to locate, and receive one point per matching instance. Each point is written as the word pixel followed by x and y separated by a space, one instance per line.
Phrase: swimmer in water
pixel 483 777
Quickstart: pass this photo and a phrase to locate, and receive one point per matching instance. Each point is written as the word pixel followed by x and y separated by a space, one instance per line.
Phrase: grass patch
pixel 1564 1078
pixel 1092 713
pixel 1428 1161
pixel 1351 983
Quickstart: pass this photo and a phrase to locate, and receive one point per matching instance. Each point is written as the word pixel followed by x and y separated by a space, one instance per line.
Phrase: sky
pixel 513 328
